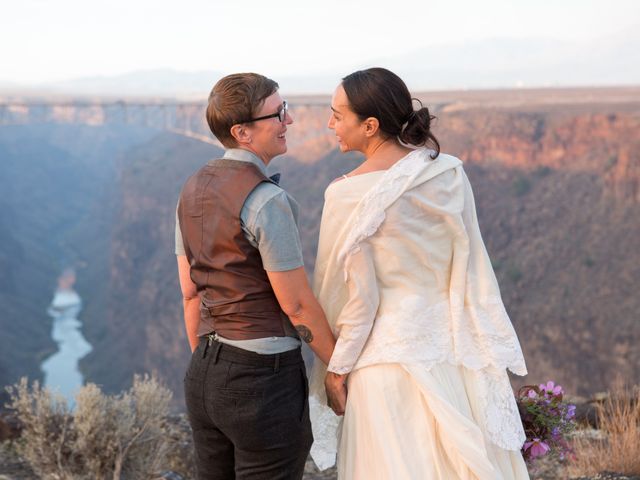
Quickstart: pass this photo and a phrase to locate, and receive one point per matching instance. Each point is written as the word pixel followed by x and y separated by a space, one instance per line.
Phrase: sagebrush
pixel 125 436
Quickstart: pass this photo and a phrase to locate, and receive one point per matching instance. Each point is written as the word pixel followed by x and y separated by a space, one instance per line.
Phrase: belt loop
pixel 207 345
pixel 276 366
pixel 217 353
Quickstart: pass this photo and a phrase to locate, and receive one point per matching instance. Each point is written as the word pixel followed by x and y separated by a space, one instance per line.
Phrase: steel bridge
pixel 183 118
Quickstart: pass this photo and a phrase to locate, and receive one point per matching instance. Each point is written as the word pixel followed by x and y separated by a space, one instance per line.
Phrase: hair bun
pixel 417 130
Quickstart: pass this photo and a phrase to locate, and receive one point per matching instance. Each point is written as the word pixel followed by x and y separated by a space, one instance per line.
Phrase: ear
pixel 241 134
pixel 371 126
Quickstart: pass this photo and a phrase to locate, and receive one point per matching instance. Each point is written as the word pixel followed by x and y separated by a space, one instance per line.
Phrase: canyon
pixel 93 184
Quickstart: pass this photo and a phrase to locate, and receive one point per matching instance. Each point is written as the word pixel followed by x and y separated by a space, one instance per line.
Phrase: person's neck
pixel 249 149
pixel 383 153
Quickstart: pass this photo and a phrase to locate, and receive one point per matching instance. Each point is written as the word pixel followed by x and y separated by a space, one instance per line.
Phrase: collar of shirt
pixel 245 156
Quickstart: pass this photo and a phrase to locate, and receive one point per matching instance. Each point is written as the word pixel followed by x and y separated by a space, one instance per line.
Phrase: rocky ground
pixel 13 468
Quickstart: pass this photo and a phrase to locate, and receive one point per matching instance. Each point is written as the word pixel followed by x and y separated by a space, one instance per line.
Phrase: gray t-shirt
pixel 269 220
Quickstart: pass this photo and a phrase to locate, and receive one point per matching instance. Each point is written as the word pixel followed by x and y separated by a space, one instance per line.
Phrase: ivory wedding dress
pixel 404 278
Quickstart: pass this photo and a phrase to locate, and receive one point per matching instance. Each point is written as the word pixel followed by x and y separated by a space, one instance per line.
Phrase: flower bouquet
pixel 547 419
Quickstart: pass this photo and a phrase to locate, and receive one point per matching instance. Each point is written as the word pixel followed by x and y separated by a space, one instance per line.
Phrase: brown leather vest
pixel 237 299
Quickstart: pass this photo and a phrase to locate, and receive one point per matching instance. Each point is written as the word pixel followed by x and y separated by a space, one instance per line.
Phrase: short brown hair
pixel 235 99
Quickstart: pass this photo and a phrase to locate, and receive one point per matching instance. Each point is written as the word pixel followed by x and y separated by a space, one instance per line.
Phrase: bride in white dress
pixel 424 342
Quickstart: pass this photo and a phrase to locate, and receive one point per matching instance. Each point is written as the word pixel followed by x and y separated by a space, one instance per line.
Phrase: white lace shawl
pixel 404 277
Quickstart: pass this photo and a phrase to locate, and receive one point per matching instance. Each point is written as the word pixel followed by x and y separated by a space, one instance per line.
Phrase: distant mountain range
pixel 490 63
pixel 529 62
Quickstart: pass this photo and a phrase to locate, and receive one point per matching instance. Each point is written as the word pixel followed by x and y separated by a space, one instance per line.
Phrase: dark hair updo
pixel 380 93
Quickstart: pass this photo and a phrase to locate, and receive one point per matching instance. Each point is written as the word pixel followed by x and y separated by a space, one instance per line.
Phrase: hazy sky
pixel 44 40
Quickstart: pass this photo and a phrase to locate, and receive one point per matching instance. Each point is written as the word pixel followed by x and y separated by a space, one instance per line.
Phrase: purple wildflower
pixel 547 419
pixel 551 388
pixel 536 448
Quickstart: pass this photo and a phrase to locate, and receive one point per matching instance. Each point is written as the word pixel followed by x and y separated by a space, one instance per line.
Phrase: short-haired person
pixel 247 302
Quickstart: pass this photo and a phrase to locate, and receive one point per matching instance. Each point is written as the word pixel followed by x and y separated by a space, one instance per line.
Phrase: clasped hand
pixel 336 389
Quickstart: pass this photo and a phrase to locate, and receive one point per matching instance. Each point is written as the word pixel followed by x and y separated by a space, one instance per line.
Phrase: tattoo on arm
pixel 305 333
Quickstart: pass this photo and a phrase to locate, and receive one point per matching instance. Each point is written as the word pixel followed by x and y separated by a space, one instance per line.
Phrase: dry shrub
pixel 121 436
pixel 46 419
pixel 617 449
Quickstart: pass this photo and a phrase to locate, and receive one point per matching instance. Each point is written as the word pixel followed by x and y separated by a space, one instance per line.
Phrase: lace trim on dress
pixel 326 426
pixel 482 336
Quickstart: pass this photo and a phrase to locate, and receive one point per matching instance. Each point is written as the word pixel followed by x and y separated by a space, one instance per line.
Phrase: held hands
pixel 336 389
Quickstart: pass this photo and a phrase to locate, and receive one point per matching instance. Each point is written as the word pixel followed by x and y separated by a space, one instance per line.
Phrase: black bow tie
pixel 275 177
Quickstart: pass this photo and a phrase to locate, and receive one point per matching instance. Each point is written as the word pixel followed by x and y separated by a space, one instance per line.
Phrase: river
pixel 61 372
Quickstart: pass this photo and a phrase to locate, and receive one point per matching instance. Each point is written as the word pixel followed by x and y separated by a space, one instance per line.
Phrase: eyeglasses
pixel 281 114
